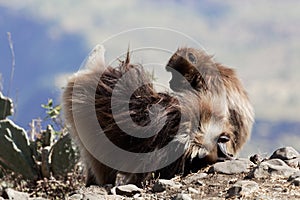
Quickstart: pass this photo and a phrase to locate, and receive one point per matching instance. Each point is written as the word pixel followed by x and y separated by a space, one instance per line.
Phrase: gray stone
pixel 113 197
pixel 158 187
pixel 76 197
pixel 93 196
pixel 285 153
pixel 182 197
pixel 13 194
pixel 277 188
pixel 274 168
pixel 193 190
pixel 296 181
pixel 295 163
pixel 128 190
pixel 232 166
pixel 294 176
pixel 161 184
pixel 194 178
pixel 256 158
pixel 170 183
pixel 139 198
pixel 242 188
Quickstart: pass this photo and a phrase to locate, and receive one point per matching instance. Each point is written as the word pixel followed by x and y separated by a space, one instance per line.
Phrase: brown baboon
pixel 194 124
pixel 194 67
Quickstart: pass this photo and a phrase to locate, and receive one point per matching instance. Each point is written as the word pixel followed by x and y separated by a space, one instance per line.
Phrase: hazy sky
pixel 258 38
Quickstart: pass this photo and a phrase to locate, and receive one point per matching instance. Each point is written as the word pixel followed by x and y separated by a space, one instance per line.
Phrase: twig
pixel 13 63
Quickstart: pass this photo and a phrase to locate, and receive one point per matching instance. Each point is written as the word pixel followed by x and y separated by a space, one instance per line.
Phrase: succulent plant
pixel 6 106
pixel 45 154
pixel 15 151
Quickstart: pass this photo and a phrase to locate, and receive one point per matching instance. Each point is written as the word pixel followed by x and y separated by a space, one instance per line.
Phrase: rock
pixel 295 163
pixel 113 197
pixel 232 166
pixel 242 188
pixel 278 188
pixel 274 168
pixel 139 198
pixel 285 153
pixel 296 182
pixel 161 184
pixel 256 159
pixel 92 192
pixel 194 178
pixel 128 190
pixel 193 190
pixel 294 176
pixel 158 187
pixel 91 196
pixel 13 194
pixel 76 197
pixel 182 197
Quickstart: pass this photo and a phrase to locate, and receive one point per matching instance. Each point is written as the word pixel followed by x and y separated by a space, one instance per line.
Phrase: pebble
pixel 93 196
pixel 232 166
pixel 138 198
pixel 278 188
pixel 127 190
pixel 242 188
pixel 13 194
pixel 161 184
pixel 295 163
pixel 274 168
pixel 256 158
pixel 88 196
pixel 182 197
pixel 294 176
pixel 285 153
pixel 296 182
pixel 195 178
pixel 193 190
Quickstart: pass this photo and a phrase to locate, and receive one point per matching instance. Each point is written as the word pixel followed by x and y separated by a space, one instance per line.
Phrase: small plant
pixel 45 153
pixel 53 113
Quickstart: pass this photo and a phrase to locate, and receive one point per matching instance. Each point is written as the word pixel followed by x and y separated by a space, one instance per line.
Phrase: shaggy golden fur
pixel 196 122
pixel 196 68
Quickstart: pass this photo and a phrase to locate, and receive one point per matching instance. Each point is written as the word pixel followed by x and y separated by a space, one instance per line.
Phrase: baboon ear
pixel 95 60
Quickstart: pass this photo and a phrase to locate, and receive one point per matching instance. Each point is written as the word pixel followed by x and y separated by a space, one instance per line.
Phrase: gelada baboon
pixel 194 67
pixel 194 124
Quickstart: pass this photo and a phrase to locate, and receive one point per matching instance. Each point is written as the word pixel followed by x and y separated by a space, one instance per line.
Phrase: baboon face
pixel 182 66
pixel 216 135
pixel 190 66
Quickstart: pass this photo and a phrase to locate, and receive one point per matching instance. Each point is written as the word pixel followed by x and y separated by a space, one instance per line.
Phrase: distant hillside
pixel 268 135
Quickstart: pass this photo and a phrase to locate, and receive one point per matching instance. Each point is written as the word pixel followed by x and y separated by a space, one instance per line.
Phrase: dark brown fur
pixel 212 78
pixel 196 133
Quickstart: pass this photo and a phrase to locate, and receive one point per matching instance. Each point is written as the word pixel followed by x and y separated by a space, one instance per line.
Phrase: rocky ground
pixel 276 177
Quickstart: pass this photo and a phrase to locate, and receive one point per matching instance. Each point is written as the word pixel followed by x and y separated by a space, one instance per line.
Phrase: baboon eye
pixel 192 58
pixel 223 138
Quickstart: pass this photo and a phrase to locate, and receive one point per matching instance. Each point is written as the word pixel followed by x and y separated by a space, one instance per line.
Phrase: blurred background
pixel 260 39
